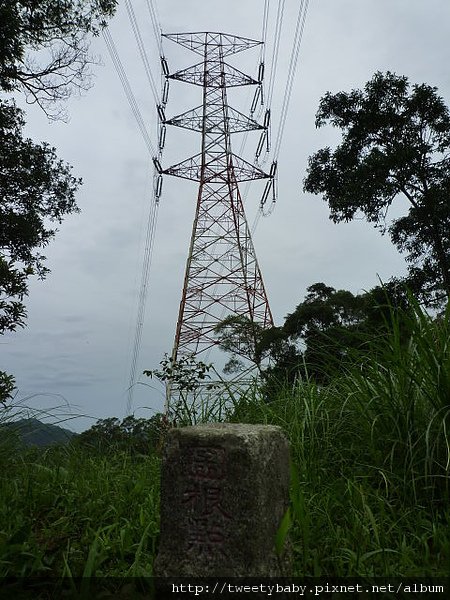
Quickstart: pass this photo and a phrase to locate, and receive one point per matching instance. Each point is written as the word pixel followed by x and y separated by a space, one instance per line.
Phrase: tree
pixel 137 436
pixel 395 142
pixel 330 324
pixel 43 53
pixel 35 188
pixel 316 337
pixel 44 47
pixel 241 337
pixel 7 386
pixel 320 336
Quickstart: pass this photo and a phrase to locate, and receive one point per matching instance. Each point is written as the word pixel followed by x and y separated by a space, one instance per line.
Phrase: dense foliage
pixel 318 338
pixel 137 436
pixel 395 143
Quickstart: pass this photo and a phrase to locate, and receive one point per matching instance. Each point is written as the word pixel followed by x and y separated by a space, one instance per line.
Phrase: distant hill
pixel 33 432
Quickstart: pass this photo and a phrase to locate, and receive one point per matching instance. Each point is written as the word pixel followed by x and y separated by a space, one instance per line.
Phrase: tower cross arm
pixel 218 75
pixel 216 169
pixel 229 44
pixel 214 121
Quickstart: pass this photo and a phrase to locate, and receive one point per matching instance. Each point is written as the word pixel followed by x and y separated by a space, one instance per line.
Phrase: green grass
pixel 372 453
pixel 65 512
pixel 370 477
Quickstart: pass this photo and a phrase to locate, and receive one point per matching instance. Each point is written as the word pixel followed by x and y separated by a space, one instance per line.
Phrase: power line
pixel 143 292
pixel 265 136
pixel 152 219
pixel 156 23
pixel 271 186
pixel 127 89
pixel 153 212
pixel 275 50
pixel 261 95
pixel 264 30
pixel 300 26
pixel 141 47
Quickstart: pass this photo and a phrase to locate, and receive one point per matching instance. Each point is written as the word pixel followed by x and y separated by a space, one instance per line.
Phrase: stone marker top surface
pixel 239 429
pixel 243 433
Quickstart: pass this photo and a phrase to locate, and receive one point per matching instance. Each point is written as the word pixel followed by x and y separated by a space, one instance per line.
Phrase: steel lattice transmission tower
pixel 222 275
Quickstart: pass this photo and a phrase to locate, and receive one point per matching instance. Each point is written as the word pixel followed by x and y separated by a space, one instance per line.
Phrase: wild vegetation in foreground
pixel 370 485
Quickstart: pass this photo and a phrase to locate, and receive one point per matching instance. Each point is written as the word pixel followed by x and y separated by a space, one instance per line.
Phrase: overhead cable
pixel 142 300
pixel 157 182
pixel 260 98
pixel 264 31
pixel 275 50
pixel 142 51
pixel 127 89
pixel 271 186
pixel 156 23
pixel 300 26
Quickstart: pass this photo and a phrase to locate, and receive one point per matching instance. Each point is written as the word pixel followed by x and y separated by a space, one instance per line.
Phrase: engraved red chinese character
pixel 208 463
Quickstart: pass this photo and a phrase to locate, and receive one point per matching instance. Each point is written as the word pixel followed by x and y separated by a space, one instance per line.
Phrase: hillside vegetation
pixel 370 475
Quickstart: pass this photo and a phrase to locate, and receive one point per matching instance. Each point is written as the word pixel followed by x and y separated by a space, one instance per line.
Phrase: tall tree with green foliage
pixel 395 143
pixel 329 324
pixel 44 53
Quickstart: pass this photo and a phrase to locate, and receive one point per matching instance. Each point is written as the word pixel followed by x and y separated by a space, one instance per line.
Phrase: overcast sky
pixel 77 345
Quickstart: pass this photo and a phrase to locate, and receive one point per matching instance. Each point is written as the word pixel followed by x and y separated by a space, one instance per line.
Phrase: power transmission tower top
pixel 222 275
pixel 229 44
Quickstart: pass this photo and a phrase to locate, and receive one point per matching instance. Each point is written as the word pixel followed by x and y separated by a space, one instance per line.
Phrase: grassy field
pixel 370 477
